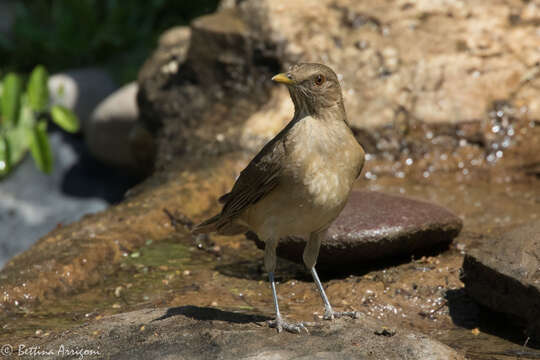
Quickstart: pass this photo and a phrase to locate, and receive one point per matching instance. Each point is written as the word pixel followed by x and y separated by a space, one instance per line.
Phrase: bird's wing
pixel 258 179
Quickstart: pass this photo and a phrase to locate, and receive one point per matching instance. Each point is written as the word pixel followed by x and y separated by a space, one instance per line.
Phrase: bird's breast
pixel 325 158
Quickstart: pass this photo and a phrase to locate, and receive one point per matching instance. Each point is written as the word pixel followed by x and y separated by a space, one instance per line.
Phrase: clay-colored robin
pixel 300 181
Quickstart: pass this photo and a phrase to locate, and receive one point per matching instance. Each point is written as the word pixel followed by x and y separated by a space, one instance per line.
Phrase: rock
pixel 503 273
pixel 108 133
pixel 375 226
pixel 81 90
pixel 202 94
pixel 412 85
pixel 159 68
pixel 190 332
pixel 76 255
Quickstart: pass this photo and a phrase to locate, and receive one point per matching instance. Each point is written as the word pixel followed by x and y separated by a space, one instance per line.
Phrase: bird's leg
pixel 270 266
pixel 311 252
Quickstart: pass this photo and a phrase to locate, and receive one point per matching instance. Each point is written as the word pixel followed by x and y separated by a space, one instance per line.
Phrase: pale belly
pixel 299 208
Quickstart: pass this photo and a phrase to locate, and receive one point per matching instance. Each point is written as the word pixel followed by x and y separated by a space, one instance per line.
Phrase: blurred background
pixel 90 48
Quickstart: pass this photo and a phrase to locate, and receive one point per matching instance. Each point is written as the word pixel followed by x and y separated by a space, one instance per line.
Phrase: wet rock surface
pixel 374 226
pixel 131 257
pixel 503 273
pixel 191 332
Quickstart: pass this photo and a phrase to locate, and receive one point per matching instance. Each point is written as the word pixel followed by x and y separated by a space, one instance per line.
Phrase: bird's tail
pixel 207 226
pixel 219 225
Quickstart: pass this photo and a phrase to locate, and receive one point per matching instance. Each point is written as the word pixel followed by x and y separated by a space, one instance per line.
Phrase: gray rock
pixel 375 226
pixel 107 134
pixel 191 332
pixel 81 90
pixel 503 273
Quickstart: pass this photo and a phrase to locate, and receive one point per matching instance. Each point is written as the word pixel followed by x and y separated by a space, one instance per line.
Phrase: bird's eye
pixel 319 79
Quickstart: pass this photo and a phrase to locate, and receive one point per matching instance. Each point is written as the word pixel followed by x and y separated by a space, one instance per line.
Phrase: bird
pixel 300 180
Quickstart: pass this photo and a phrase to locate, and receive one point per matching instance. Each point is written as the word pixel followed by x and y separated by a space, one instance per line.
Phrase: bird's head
pixel 314 89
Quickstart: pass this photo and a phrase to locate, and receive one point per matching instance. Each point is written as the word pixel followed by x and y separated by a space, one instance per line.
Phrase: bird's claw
pixel 281 325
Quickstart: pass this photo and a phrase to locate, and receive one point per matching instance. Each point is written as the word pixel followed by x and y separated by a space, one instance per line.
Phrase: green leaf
pixel 38 92
pixel 16 143
pixel 40 148
pixel 4 157
pixel 65 118
pixel 11 99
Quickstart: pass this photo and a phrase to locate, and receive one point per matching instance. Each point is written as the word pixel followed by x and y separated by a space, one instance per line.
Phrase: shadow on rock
pixel 467 313
pixel 290 270
pixel 89 178
pixel 254 270
pixel 206 313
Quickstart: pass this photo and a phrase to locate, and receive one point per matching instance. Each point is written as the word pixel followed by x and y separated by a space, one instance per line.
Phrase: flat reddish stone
pixel 375 226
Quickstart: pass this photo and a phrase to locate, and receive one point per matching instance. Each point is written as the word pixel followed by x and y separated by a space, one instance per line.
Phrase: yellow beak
pixel 283 78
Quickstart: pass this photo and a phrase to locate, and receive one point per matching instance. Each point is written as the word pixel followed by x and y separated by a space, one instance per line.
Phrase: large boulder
pixel 412 83
pixel 113 134
pixel 190 332
pixel 503 273
pixel 201 95
pixel 373 227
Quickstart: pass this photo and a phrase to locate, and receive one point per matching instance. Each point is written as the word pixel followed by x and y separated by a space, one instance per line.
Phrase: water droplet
pixel 409 161
pixel 426 174
pixel 370 176
pixel 496 128
pixel 499 154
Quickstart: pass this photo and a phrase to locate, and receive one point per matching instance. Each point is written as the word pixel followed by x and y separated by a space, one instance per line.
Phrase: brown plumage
pixel 300 181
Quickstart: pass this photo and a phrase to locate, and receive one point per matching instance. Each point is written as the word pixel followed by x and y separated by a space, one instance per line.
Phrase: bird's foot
pixel 330 314
pixel 281 325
